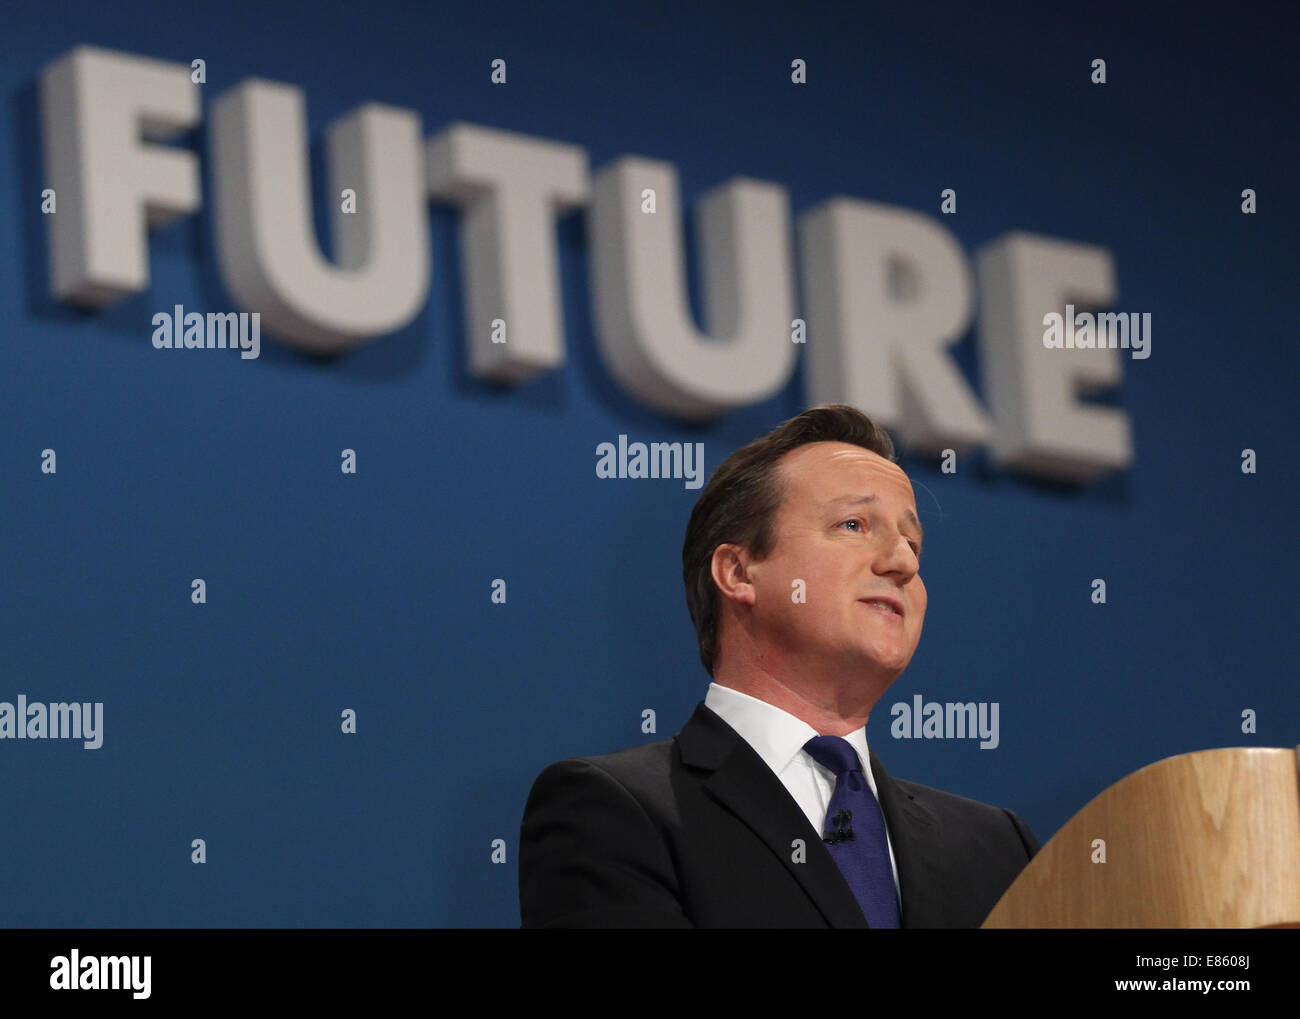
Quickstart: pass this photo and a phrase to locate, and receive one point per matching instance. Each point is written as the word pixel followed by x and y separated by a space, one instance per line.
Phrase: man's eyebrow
pixel 909 516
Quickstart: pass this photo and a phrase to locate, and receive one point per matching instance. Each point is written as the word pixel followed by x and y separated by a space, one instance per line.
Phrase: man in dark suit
pixel 801 562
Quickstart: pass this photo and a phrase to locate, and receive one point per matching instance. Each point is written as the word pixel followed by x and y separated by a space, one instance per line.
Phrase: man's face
pixel 847 528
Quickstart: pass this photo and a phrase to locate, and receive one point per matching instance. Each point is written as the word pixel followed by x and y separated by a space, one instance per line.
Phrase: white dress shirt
pixel 778 738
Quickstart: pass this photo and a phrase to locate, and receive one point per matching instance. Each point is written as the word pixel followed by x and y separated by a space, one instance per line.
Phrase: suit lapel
pixel 742 783
pixel 915 833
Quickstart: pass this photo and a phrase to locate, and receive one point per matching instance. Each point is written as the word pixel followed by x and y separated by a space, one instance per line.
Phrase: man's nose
pixel 897 557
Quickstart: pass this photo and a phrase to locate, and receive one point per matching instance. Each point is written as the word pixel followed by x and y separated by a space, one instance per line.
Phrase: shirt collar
pixel 776 735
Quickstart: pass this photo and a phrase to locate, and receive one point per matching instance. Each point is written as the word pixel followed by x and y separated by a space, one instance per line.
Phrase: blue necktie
pixel 855 831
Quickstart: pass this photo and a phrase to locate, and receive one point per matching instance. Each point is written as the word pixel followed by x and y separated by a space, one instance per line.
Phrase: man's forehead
pixel 840 476
pixel 823 468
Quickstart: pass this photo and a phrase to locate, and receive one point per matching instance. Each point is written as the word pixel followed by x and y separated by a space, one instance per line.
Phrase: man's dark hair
pixel 740 503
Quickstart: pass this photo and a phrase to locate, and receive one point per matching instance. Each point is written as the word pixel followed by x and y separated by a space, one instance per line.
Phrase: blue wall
pixel 372 592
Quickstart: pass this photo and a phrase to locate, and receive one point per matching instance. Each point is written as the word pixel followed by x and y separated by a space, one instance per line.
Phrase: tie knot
pixel 834 753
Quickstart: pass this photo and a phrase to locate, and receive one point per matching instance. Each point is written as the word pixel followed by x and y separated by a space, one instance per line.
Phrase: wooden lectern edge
pixel 1147 780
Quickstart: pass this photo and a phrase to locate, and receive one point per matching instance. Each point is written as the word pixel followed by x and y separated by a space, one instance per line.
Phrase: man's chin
pixel 871 673
pixel 883 670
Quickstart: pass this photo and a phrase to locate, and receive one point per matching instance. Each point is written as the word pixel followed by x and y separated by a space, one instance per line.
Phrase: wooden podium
pixel 1210 839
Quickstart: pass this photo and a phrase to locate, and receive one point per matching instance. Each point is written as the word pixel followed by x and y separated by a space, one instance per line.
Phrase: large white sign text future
pixel 886 290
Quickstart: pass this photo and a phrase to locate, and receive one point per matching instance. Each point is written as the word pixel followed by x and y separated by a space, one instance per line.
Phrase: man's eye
pixel 916 549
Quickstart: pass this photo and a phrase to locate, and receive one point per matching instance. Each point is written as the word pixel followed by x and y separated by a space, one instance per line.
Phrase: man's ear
pixel 730 569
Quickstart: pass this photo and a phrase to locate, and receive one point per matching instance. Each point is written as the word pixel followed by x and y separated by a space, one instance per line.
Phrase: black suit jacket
pixel 697 831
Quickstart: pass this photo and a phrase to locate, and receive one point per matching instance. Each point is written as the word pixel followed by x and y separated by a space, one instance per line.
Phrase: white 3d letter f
pixel 98 107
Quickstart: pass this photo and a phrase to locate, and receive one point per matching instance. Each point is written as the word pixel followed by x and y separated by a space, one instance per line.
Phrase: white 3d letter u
pixel 266 246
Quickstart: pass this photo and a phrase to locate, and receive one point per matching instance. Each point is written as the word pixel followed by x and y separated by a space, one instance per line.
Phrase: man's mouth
pixel 888 606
